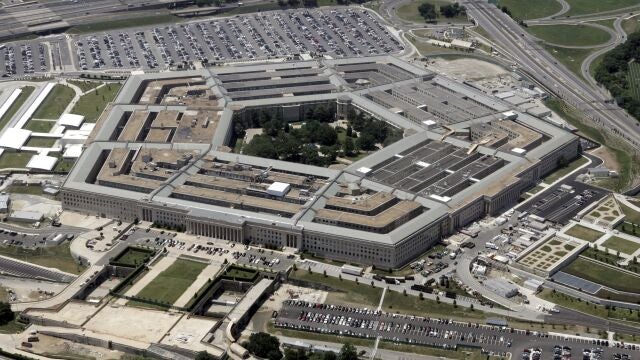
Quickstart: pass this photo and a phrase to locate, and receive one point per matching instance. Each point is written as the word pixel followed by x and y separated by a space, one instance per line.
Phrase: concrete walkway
pixel 206 274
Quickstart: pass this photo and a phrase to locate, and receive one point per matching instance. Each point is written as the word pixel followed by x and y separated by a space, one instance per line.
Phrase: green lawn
pixel 579 7
pixel 604 275
pixel 169 285
pixel 12 327
pixel 91 105
pixel 132 256
pixel 41 126
pixel 570 35
pixel 125 23
pixel 17 104
pixel 565 170
pixel 531 9
pixel 85 85
pixel 58 257
pixel 64 166
pixel 410 12
pixel 25 189
pixel 397 302
pixel 584 233
pixel 625 246
pixel 630 215
pixel 571 58
pixel 240 274
pixel 10 160
pixel 589 308
pixel 461 353
pixel 349 293
pixel 40 142
pixel 55 103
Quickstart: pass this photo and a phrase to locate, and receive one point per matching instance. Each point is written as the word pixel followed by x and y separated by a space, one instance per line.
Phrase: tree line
pixel 614 73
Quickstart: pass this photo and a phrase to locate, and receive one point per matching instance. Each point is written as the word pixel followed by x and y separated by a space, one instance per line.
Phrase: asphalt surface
pixel 336 32
pixel 367 323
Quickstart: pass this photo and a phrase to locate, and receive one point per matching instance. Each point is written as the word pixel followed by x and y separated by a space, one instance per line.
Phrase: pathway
pixel 206 274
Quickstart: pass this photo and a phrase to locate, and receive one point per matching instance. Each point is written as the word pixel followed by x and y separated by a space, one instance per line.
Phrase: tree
pixel 471 307
pixel 428 12
pixel 348 147
pixel 310 3
pixel 203 355
pixel 348 352
pixel 300 354
pixel 293 3
pixel 264 345
pixel 366 142
pixel 6 315
pixel 349 131
pixel 452 10
pixel 329 356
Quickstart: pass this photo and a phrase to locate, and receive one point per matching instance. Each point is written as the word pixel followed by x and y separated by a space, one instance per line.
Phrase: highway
pixel 544 69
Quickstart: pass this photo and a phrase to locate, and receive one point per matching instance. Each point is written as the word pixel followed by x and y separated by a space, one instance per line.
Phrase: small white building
pixel 278 189
pixel 71 121
pixel 42 162
pixel 26 216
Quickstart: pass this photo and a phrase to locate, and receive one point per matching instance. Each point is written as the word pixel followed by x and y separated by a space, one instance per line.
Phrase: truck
pixel 351 270
pixel 490 245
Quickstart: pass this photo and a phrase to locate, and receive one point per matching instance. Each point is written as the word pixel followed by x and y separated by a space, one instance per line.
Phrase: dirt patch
pixel 467 69
pixel 608 158
pixel 51 346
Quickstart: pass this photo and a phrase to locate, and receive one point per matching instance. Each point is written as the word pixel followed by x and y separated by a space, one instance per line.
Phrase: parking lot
pixel 210 248
pixel 371 323
pixel 334 32
pixel 559 205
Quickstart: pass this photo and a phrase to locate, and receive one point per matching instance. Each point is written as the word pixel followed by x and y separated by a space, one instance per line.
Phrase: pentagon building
pixel 161 153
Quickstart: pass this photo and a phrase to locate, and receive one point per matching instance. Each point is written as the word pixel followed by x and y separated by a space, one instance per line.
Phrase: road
pixel 542 67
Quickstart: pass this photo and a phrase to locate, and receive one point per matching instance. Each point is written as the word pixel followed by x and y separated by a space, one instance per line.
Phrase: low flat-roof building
pixel 463 155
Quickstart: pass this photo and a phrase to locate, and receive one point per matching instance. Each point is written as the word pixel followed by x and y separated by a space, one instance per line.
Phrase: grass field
pixel 570 35
pixel 55 103
pixel 125 23
pixel 91 105
pixel 634 79
pixel 40 142
pixel 625 246
pixel 84 85
pixel 565 170
pixel 630 215
pixel 132 256
pixel 58 257
pixel 17 104
pixel 240 274
pixel 169 285
pixel 579 7
pixel 584 233
pixel 10 160
pixel 571 58
pixel 410 12
pixel 25 189
pixel 42 126
pixel 589 308
pixel 604 275
pixel 349 293
pixel 397 302
pixel 532 9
